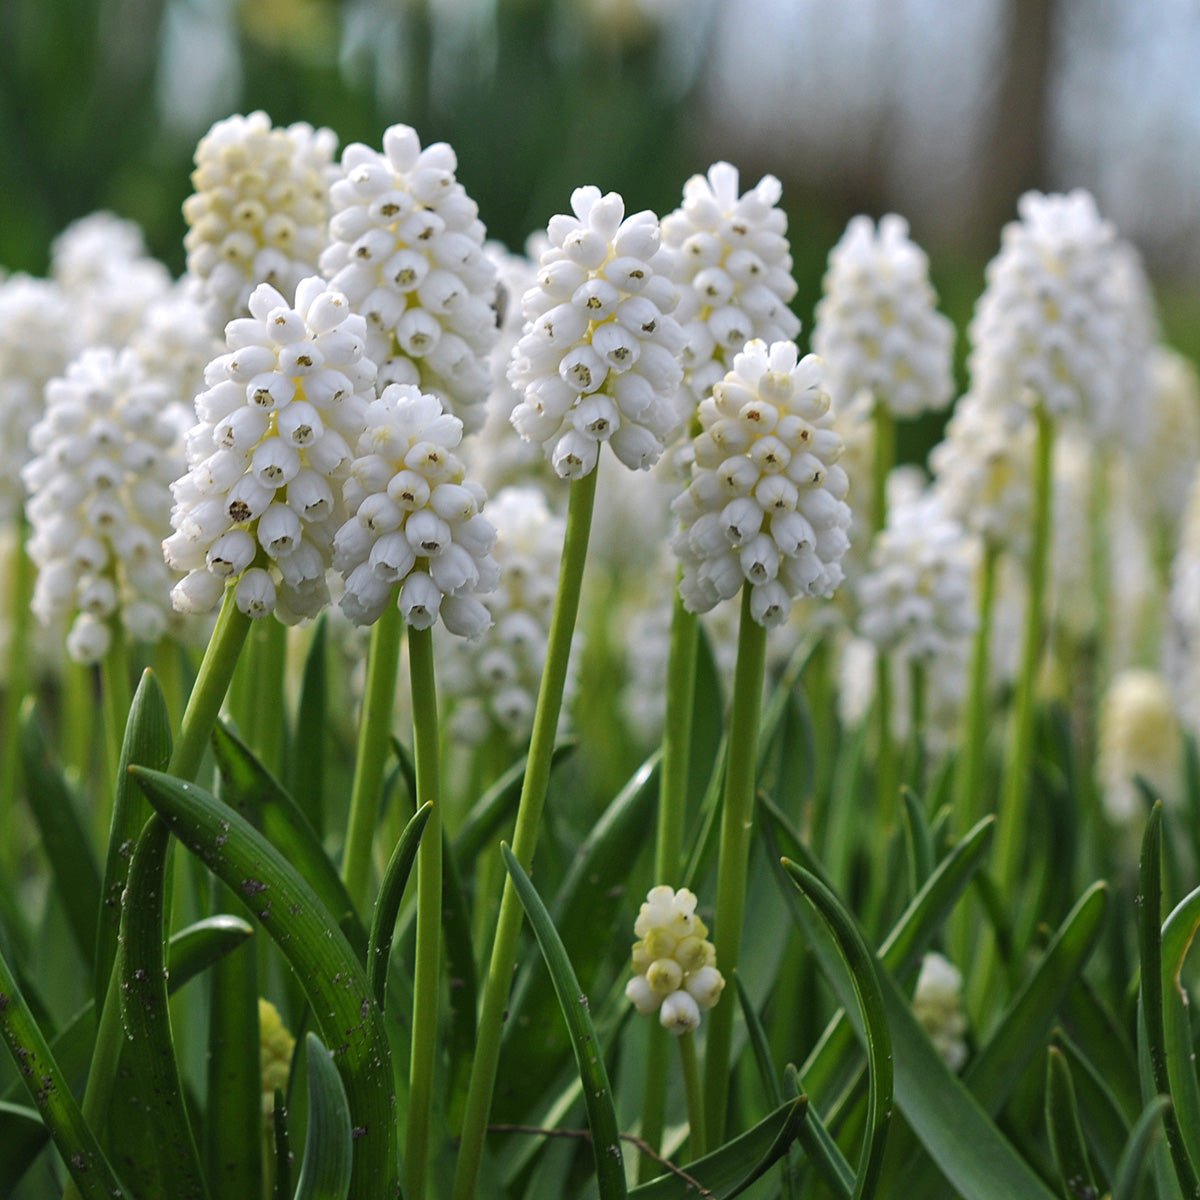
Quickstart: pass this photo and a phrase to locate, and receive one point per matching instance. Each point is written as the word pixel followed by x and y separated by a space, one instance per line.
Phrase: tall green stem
pixel 668 846
pixel 429 911
pixel 698 1142
pixel 969 773
pixel 208 692
pixel 375 724
pixel 116 699
pixel 736 818
pixel 529 819
pixel 261 714
pixel 16 685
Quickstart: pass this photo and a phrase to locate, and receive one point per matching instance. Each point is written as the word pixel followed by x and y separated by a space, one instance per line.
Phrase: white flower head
pixel 937 1005
pixel 414 520
pixel 767 502
pixel 276 426
pixel 877 325
pixel 259 212
pixel 99 501
pixel 733 264
pixel 407 248
pixel 598 361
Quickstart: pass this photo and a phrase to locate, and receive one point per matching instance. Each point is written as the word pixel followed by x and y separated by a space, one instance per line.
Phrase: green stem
pixel 668 847
pixel 736 817
pixel 374 728
pixel 1014 800
pixel 885 456
pixel 261 715
pixel 208 692
pixel 15 686
pixel 78 723
pixel 429 911
pixel 918 686
pixel 116 699
pixel 529 819
pixel 969 805
pixel 694 1092
pixel 887 779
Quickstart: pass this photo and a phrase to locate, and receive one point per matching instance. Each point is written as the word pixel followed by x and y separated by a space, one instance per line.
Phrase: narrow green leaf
pixel 329 1146
pixel 283 1147
pixel 257 795
pixel 825 1155
pixel 334 980
pixel 1066 1135
pixel 1165 1179
pixel 170 1161
pixel 306 758
pixel 864 976
pixel 1133 1157
pixel 43 1080
pixel 22 1139
pixel 459 965
pixel 147 742
pixel 387 903
pixel 63 834
pixel 1150 953
pixel 1178 933
pixel 918 839
pixel 729 1171
pixel 597 1095
pixel 1100 1111
pixel 758 1044
pixel 408 768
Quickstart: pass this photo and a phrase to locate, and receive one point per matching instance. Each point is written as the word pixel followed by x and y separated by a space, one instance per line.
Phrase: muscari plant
pixel 280 925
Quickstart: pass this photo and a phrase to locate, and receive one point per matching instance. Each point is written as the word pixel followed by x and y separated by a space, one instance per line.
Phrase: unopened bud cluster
pixel 674 963
pixel 937 1005
pixel 767 502
pixel 415 522
pixel 259 212
pixel 262 500
pixel 406 247
pixel 599 358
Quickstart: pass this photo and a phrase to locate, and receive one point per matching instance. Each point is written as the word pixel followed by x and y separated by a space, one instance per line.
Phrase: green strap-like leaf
pixel 306 756
pixel 147 742
pixel 918 839
pixel 257 795
pixel 43 1080
pixel 597 1095
pixel 387 903
pixel 1066 1135
pixel 170 1162
pixel 334 980
pixel 729 1171
pixel 329 1146
pixel 865 978
pixel 1178 933
pixel 1133 1157
pixel 63 835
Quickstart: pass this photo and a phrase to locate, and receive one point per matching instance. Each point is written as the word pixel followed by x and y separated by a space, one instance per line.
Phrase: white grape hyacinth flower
pixel 733 264
pixel 259 212
pixel 99 500
pixel 262 499
pixel 877 325
pixel 407 248
pixel 938 1006
pixel 415 534
pixel 598 361
pixel 766 505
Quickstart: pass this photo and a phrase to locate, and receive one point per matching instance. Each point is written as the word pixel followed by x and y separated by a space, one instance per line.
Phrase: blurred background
pixel 942 110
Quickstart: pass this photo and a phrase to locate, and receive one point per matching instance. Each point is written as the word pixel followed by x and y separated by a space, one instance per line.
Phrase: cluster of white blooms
pixel 406 246
pixel 877 325
pixel 1181 657
pixel 983 473
pixel 767 502
pixel 414 521
pixel 599 358
pixel 674 963
pixel 1059 321
pixel 734 270
pixel 916 600
pixel 259 212
pixel 1072 561
pixel 175 345
pixel 1138 735
pixel 262 499
pixel 494 679
pixel 98 502
pixel 37 340
pixel 937 1005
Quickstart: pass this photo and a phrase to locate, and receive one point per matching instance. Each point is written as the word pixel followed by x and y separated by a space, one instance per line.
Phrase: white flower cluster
pixel 767 502
pixel 1061 320
pixel 406 247
pixel 494 679
pixel 916 599
pixel 1138 735
pixel 734 270
pixel 1182 652
pixel 877 325
pixel 99 499
pixel 674 963
pixel 414 520
pixel 937 1005
pixel 599 359
pixel 175 344
pixel 262 499
pixel 259 212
